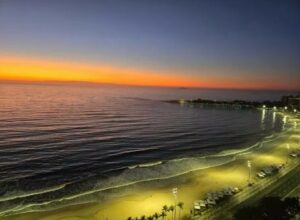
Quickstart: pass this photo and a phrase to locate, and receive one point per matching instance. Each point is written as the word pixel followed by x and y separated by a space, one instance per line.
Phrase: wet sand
pixel 148 199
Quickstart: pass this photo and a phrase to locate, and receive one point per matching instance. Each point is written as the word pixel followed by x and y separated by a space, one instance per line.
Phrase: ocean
pixel 69 144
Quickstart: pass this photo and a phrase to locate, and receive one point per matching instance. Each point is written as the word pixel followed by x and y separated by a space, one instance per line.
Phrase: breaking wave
pixel 128 179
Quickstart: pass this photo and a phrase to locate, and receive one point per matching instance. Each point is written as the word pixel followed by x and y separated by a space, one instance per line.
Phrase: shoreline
pixel 233 173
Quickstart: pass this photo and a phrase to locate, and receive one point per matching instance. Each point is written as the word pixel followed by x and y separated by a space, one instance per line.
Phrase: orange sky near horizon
pixel 29 69
pixel 25 69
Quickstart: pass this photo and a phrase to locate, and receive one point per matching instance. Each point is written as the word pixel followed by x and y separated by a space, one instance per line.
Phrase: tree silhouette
pixel 171 209
pixel 270 208
pixel 292 206
pixel 180 205
pixel 163 214
pixel 156 215
pixel 165 209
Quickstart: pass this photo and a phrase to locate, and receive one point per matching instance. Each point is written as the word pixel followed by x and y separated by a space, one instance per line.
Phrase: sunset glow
pixel 179 44
pixel 149 109
pixel 44 70
pixel 26 69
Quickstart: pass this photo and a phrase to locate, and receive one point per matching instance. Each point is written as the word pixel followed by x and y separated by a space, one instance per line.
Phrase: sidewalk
pixel 249 194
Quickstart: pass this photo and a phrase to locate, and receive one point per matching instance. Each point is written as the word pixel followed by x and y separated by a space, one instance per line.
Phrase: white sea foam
pixel 21 194
pixel 137 174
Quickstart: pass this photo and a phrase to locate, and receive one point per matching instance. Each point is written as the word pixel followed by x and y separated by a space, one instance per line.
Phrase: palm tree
pixel 165 209
pixel 171 208
pixel 156 215
pixel 163 214
pixel 180 205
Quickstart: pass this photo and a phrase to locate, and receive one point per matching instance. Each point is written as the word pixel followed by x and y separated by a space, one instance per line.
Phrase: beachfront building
pixel 292 102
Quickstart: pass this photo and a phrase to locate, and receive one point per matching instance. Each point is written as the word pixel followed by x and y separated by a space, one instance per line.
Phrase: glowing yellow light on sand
pixel 266 159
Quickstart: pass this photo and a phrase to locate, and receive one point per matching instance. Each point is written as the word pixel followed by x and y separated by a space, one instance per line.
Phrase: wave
pixel 159 171
pixel 21 194
pixel 270 136
pixel 130 177
pixel 145 165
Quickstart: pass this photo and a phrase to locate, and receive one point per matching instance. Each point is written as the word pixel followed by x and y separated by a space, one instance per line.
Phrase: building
pixel 292 102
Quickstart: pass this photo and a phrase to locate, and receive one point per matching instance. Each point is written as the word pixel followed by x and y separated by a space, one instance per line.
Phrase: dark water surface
pixel 60 141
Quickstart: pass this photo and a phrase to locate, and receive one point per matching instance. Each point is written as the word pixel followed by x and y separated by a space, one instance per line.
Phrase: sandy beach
pixel 148 199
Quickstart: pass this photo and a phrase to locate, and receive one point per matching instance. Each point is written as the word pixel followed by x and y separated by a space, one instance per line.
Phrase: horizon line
pixel 78 82
pixel 62 71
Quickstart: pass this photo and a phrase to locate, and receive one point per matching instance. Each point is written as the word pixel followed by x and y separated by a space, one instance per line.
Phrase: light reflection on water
pixel 263 117
pixel 273 119
pixel 55 135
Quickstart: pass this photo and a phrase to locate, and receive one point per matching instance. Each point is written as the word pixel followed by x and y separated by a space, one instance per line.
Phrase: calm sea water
pixel 60 141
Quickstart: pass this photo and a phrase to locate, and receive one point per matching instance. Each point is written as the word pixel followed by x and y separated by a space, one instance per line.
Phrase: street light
pixel 284 119
pixel 288 149
pixel 249 164
pixel 174 192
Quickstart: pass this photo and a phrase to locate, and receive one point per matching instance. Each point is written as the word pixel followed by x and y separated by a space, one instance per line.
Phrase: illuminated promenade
pixel 280 185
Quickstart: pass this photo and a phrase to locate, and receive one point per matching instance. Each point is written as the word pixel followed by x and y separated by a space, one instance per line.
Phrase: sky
pixel 252 44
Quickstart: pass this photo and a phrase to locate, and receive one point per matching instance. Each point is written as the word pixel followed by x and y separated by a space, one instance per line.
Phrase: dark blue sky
pixel 243 38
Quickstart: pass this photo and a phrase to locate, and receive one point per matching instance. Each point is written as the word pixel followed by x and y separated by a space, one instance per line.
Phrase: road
pixel 279 185
pixel 280 188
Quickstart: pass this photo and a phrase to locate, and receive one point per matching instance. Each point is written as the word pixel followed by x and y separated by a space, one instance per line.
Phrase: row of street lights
pixel 249 163
pixel 275 108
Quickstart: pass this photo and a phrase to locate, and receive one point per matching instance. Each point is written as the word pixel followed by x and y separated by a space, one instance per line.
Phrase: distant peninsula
pixel 288 103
